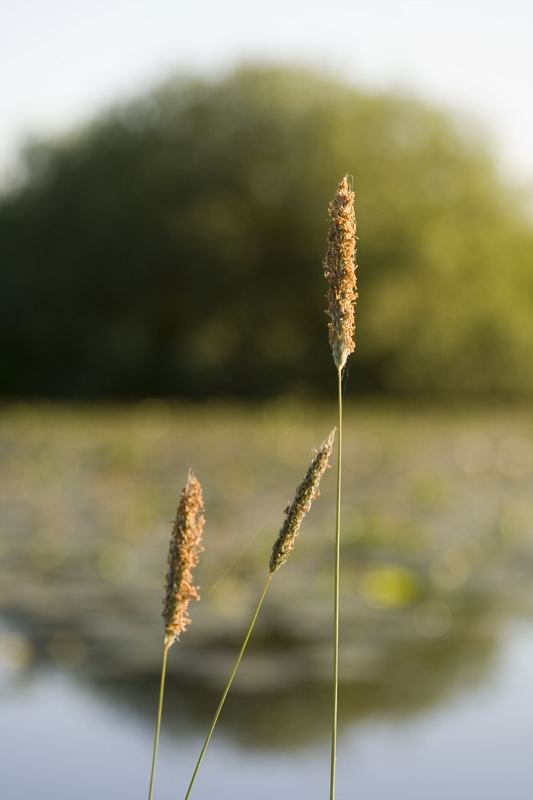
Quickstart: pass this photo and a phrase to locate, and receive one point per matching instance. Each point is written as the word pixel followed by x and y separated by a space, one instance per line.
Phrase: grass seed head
pixel 296 511
pixel 184 550
pixel 339 269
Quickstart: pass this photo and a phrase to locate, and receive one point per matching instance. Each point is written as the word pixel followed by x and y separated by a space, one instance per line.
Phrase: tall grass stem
pixel 228 686
pixel 336 596
pixel 158 722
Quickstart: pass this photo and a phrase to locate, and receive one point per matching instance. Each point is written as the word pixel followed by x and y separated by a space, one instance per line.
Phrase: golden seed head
pixel 339 269
pixel 184 550
pixel 296 511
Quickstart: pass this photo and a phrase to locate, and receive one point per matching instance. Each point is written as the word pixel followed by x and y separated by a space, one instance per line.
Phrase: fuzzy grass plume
pixel 184 550
pixel 339 269
pixel 306 492
pixel 296 511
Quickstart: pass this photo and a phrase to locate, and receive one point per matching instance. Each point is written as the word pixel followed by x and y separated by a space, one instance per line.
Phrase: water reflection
pixel 437 559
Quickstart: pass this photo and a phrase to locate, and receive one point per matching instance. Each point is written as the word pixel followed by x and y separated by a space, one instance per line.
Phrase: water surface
pixel 437 624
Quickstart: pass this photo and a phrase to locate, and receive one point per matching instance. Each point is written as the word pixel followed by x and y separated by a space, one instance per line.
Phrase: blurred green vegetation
pixel 174 245
pixel 436 563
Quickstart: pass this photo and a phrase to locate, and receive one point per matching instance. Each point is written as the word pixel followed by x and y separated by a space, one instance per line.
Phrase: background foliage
pixel 174 245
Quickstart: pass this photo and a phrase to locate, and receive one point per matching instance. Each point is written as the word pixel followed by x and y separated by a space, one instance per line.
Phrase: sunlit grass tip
pixel 185 547
pixel 306 492
pixel 339 269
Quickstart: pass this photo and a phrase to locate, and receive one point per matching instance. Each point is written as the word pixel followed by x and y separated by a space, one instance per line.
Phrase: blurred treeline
pixel 174 247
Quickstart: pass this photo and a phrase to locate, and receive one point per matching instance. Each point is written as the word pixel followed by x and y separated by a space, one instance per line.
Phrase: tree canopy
pixel 173 247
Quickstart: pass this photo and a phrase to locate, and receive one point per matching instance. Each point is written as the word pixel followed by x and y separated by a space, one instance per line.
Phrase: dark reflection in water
pixel 437 556
pixel 301 715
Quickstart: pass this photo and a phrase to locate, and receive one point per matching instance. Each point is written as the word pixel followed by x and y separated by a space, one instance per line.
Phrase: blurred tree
pixel 174 247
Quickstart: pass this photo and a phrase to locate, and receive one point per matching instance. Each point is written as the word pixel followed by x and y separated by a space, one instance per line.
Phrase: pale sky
pixel 61 60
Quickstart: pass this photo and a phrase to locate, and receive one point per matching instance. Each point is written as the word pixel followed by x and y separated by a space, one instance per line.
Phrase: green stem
pixel 158 723
pixel 336 597
pixel 228 685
